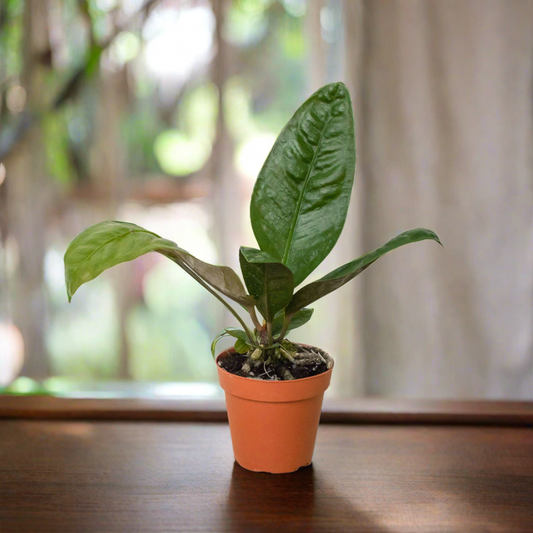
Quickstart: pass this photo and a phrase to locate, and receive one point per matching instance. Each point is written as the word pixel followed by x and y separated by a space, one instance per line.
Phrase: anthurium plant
pixel 298 209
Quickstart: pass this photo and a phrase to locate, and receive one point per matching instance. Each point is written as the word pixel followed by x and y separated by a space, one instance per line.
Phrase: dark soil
pixel 233 363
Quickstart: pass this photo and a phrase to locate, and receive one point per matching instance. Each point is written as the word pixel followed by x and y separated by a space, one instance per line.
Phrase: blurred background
pixel 161 113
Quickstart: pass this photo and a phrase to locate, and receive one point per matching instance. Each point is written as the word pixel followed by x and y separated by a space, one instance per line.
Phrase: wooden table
pixel 379 466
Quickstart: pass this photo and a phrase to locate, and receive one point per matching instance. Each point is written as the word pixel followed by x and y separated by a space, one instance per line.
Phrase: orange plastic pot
pixel 273 424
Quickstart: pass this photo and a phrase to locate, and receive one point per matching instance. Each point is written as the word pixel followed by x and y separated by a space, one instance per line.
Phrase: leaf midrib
pixel 306 182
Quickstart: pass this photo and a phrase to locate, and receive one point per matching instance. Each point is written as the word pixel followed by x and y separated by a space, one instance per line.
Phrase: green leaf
pixel 221 335
pixel 105 245
pixel 241 346
pixel 299 319
pixel 269 281
pixel 222 278
pixel 110 243
pixel 332 281
pixel 301 196
pixel 236 333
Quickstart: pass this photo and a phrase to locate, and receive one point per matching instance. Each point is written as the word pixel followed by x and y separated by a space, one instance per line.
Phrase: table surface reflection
pixel 62 476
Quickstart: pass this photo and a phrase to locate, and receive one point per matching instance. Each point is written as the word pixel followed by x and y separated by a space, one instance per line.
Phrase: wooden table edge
pixel 356 411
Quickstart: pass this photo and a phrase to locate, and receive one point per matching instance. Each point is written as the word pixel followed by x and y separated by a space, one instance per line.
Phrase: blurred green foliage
pixel 169 134
pixel 11 35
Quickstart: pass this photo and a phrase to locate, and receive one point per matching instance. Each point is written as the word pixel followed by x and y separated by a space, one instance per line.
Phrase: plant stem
pixel 254 318
pixel 269 333
pixel 216 295
pixel 286 324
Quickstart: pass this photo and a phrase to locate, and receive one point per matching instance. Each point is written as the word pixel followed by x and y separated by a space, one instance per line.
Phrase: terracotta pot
pixel 273 424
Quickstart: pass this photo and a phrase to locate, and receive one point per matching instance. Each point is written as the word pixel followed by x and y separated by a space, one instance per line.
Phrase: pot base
pixel 267 472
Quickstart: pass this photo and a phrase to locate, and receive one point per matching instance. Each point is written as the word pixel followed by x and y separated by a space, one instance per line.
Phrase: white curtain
pixel 443 94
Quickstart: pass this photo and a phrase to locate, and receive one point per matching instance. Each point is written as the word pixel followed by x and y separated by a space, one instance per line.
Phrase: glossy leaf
pixel 301 196
pixel 110 243
pixel 342 275
pixel 299 319
pixel 270 282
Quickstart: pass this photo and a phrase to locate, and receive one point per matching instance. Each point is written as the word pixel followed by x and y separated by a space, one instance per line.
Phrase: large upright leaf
pixel 110 243
pixel 332 281
pixel 268 280
pixel 301 196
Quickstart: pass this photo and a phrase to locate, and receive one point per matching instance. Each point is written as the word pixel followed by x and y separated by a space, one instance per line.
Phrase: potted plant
pixel 273 387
